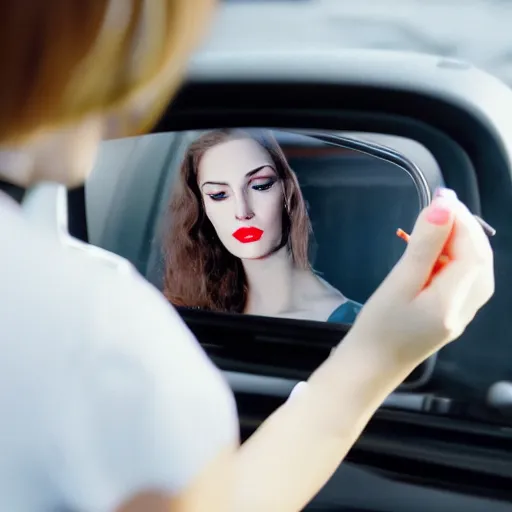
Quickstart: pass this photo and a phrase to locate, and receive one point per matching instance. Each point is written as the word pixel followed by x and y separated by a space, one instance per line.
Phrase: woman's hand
pixel 412 314
pixel 422 306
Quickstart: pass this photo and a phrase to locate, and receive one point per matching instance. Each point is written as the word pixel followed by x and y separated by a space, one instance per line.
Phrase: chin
pixel 256 252
pixel 63 176
pixel 73 182
pixel 255 258
pixel 249 255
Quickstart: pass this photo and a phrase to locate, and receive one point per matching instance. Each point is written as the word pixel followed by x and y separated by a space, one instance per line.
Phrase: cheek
pixel 218 215
pixel 269 207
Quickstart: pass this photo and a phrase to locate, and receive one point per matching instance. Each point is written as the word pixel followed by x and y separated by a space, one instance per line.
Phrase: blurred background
pixel 474 30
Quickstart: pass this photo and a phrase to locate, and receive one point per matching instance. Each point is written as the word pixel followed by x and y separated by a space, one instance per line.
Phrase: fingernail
pixel 439 212
pixel 446 193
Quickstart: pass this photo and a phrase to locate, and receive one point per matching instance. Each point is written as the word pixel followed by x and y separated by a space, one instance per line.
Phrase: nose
pixel 243 209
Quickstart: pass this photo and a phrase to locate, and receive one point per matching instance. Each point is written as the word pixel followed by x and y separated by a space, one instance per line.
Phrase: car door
pixel 444 446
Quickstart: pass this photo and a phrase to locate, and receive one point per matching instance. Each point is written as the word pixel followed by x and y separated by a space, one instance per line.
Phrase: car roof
pixel 444 28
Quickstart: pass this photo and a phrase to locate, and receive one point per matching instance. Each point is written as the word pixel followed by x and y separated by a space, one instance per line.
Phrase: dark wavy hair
pixel 199 271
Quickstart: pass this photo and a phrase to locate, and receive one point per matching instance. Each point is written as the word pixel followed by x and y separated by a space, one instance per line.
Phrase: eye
pixel 263 185
pixel 219 196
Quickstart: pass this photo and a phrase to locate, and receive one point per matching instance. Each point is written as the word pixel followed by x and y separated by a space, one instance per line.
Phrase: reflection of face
pixel 243 197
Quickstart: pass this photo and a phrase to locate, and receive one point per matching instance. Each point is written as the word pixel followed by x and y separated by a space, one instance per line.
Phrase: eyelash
pixel 220 196
pixel 215 197
pixel 265 186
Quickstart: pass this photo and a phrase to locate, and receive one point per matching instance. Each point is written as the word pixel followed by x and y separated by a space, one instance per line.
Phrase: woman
pixel 121 410
pixel 238 238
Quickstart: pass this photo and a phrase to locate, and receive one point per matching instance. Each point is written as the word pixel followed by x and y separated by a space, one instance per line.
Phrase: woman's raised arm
pixel 410 316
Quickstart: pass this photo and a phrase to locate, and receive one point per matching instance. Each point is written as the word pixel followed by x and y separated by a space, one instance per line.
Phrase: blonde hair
pixel 64 60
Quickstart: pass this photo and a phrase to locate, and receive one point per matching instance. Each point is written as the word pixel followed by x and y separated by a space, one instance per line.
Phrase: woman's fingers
pixel 466 282
pixel 428 240
pixel 444 277
pixel 469 244
pixel 468 249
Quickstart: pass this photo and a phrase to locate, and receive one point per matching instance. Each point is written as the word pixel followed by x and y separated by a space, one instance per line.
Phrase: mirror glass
pixel 271 223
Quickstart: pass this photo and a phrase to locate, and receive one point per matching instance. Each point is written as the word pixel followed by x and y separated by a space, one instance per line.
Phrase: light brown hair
pixel 63 60
pixel 199 271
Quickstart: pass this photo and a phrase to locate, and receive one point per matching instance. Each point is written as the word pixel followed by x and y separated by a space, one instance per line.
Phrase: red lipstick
pixel 248 235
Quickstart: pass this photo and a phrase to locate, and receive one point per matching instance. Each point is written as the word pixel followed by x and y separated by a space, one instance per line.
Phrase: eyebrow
pixel 248 175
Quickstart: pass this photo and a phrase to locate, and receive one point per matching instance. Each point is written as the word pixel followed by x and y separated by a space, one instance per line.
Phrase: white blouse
pixel 104 391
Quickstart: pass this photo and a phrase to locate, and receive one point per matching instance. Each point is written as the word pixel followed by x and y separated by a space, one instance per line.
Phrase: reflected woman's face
pixel 243 197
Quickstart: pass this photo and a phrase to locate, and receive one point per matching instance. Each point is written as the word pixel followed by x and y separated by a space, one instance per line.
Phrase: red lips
pixel 248 235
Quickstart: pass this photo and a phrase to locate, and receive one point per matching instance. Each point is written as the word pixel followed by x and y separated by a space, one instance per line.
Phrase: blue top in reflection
pixel 346 313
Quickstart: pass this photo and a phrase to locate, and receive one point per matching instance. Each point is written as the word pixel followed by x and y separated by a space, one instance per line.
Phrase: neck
pixel 16 169
pixel 269 282
pixel 16 172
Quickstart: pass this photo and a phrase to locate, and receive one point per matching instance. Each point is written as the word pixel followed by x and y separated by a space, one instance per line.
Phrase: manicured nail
pixel 446 193
pixel 439 211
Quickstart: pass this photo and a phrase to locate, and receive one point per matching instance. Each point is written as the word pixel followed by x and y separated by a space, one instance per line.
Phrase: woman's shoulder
pixel 346 313
pixel 117 358
pixel 342 310
pixel 153 382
